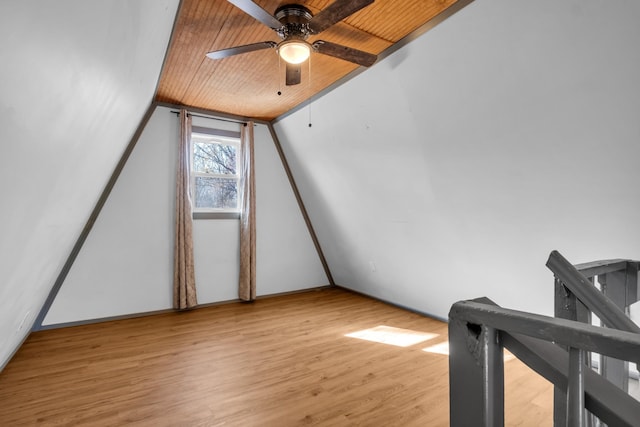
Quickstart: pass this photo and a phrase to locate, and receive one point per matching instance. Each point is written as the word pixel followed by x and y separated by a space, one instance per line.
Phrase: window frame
pixel 223 137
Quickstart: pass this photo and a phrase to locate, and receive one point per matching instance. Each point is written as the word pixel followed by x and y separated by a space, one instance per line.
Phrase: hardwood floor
pixel 281 361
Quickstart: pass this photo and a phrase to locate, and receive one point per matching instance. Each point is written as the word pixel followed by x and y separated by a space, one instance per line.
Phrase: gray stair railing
pixel 478 332
pixel 577 298
pixel 558 348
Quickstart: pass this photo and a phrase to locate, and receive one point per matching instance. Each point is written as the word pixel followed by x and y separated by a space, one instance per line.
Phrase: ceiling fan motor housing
pixel 295 22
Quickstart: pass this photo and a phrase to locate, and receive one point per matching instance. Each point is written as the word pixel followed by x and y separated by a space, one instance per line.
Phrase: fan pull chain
pixel 280 74
pixel 309 90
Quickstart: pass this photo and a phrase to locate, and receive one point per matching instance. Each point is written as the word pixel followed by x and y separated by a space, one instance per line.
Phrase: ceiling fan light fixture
pixel 294 51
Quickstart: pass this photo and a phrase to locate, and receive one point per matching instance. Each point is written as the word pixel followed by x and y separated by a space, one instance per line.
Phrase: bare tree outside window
pixel 215 170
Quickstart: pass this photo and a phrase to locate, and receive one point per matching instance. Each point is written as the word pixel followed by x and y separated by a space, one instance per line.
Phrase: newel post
pixel 476 375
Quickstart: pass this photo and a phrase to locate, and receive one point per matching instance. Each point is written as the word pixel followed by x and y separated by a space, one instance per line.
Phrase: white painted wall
pixel 126 264
pixel 286 259
pixel 451 169
pixel 76 79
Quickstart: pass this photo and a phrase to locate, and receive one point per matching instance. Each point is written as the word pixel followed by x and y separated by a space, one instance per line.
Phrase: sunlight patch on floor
pixel 392 336
pixel 443 348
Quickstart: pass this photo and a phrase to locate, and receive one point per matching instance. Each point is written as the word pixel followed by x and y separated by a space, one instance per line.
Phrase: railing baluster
pixel 614 286
pixel 575 389
pixel 567 306
pixel 633 293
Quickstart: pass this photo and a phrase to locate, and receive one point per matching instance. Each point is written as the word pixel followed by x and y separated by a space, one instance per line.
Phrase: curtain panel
pixel 184 282
pixel 247 280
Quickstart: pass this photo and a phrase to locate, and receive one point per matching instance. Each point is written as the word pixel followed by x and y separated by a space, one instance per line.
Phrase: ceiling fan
pixel 294 24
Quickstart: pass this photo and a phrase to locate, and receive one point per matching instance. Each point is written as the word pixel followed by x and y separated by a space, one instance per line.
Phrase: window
pixel 215 171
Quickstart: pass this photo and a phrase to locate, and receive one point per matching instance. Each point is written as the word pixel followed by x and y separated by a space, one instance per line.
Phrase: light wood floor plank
pixel 281 361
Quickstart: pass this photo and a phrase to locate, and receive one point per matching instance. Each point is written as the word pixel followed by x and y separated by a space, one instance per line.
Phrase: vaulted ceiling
pixel 253 84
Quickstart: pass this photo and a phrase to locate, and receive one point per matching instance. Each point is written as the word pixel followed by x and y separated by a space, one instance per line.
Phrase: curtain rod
pixel 212 118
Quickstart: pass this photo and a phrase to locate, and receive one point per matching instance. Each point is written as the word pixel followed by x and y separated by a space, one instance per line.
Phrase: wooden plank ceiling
pixel 247 85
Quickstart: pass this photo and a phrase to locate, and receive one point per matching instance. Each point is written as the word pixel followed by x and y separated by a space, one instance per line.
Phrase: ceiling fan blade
pixel 336 12
pixel 293 74
pixel 225 53
pixel 347 53
pixel 250 8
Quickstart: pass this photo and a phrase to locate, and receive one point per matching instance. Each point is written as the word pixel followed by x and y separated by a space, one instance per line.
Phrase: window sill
pixel 216 215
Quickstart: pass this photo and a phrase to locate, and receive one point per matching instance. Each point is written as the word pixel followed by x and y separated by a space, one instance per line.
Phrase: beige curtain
pixel 184 282
pixel 247 285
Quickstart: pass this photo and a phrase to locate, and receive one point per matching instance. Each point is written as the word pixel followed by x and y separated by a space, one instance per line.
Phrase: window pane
pixel 214 158
pixel 216 193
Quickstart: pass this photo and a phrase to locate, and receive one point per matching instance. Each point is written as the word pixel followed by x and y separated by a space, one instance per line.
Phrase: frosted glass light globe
pixel 294 52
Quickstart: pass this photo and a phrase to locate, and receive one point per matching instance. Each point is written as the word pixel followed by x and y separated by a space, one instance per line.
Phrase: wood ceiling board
pixel 258 97
pixel 245 93
pixel 193 25
pixel 247 84
pixel 393 20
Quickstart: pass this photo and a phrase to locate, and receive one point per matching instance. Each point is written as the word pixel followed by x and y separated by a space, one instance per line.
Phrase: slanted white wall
pixel 76 79
pixel 126 264
pixel 452 168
